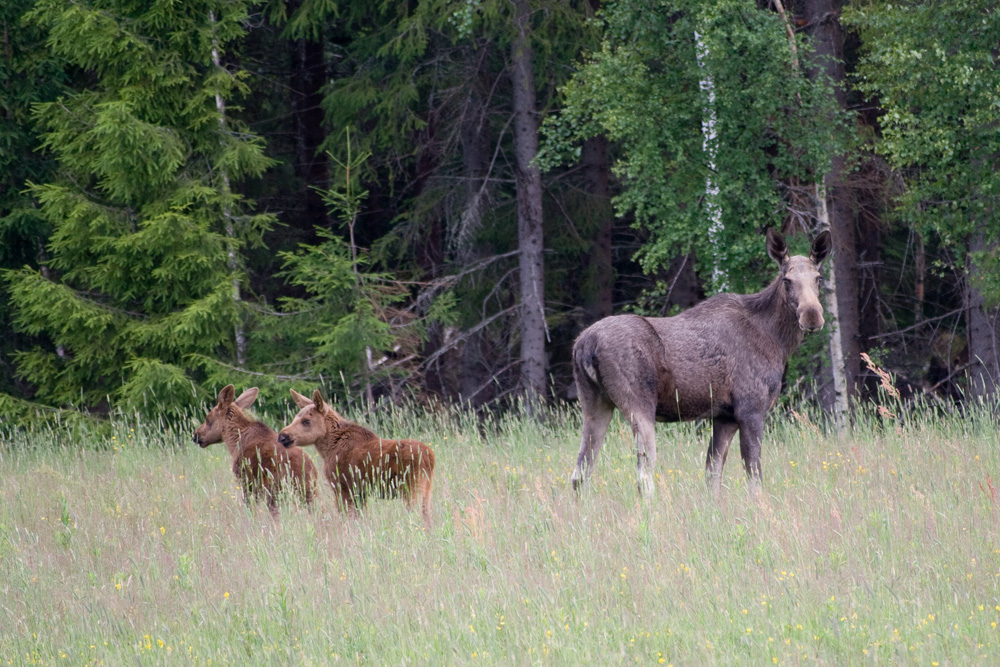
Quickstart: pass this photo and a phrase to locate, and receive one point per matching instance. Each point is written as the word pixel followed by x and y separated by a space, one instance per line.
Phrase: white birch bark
pixel 840 416
pixel 227 214
pixel 710 146
pixel 837 366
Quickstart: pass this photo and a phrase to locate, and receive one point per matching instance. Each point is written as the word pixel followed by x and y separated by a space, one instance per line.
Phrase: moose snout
pixel 285 440
pixel 811 322
pixel 197 439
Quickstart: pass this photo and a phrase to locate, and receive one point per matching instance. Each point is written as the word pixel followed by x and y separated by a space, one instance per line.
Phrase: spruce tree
pixel 144 219
pixel 29 74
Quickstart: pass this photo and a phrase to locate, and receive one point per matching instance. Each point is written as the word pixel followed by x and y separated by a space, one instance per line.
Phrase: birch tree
pixel 651 88
pixel 710 147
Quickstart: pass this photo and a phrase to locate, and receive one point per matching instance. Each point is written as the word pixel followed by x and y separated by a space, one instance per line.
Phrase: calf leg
pixel 422 497
pixel 723 431
pixel 596 417
pixel 751 434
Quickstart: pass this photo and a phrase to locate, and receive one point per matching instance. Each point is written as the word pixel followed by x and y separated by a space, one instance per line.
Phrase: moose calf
pixel 262 467
pixel 357 462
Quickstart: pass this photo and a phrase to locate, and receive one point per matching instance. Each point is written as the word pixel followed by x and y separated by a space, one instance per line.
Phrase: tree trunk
pixel 710 147
pixel 869 251
pixel 984 330
pixel 233 259
pixel 823 25
pixel 310 162
pixel 600 273
pixel 475 139
pixel 528 180
pixel 839 406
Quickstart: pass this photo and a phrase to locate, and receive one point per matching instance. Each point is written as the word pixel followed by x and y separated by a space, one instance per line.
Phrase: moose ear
pixel 300 400
pixel 821 247
pixel 226 395
pixel 777 249
pixel 246 399
pixel 318 401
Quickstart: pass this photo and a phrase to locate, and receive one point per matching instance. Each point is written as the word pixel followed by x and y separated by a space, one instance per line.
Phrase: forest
pixel 427 200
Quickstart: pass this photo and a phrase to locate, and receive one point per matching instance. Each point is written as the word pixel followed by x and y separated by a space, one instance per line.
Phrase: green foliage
pixel 933 67
pixel 29 74
pixel 343 315
pixel 641 89
pixel 142 214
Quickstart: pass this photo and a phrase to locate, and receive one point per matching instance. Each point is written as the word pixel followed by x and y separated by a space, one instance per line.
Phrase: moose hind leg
pixel 751 434
pixel 723 431
pixel 597 415
pixel 645 444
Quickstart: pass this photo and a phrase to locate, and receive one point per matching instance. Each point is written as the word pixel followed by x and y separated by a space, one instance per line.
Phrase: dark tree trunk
pixel 600 275
pixel 475 140
pixel 870 258
pixel 310 161
pixel 822 19
pixel 984 330
pixel 528 180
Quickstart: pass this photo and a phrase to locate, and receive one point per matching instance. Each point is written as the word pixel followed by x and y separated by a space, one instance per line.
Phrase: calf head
pixel 312 422
pixel 212 429
pixel 800 277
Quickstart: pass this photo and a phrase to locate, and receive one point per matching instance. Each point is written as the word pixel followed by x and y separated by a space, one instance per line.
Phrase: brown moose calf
pixel 357 462
pixel 262 468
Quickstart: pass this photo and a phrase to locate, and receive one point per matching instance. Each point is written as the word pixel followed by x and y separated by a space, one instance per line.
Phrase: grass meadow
pixel 882 546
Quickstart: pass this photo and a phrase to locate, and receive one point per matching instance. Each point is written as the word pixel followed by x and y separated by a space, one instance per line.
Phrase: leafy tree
pixel 144 220
pixel 933 67
pixel 642 88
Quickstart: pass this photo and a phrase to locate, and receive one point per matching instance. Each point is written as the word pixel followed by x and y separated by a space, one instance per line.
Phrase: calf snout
pixel 285 440
pixel 197 440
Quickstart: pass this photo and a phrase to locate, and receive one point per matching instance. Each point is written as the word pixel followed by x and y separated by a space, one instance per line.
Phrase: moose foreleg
pixel 723 431
pixel 751 434
pixel 596 418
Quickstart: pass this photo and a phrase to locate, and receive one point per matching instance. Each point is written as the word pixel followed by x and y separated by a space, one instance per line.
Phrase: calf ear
pixel 821 247
pixel 226 395
pixel 300 400
pixel 318 401
pixel 246 399
pixel 777 249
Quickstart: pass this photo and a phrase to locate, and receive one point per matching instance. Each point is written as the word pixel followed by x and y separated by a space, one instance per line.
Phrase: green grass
pixel 135 547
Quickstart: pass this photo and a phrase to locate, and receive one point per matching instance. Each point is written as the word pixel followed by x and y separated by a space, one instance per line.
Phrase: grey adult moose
pixel 722 360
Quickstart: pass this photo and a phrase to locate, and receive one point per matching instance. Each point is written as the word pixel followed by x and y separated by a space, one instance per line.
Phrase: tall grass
pixel 134 546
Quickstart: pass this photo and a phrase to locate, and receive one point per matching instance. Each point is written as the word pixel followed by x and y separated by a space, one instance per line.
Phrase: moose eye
pixel 305 422
pixel 788 283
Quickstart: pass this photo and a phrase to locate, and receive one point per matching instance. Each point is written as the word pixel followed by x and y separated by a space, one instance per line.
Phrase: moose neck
pixel 237 425
pixel 341 434
pixel 771 308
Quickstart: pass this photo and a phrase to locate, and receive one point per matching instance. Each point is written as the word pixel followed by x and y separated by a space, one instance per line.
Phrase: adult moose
pixel 721 360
